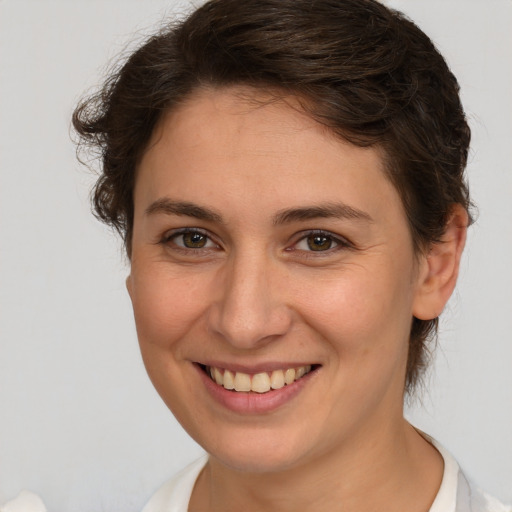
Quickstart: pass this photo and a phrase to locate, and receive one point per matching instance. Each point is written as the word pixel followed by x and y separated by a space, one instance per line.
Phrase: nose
pixel 250 311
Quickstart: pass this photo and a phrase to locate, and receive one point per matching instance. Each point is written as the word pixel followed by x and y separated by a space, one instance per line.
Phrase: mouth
pixel 262 382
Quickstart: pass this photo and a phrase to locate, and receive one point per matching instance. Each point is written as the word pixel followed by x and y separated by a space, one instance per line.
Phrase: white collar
pixel 446 498
pixel 175 495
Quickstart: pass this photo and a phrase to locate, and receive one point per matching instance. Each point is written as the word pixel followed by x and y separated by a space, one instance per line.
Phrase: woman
pixel 288 180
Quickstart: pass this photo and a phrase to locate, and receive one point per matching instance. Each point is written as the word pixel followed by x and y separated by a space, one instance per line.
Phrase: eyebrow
pixel 325 211
pixel 170 207
pixel 328 210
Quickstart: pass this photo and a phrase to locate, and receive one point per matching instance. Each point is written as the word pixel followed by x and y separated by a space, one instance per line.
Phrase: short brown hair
pixel 365 71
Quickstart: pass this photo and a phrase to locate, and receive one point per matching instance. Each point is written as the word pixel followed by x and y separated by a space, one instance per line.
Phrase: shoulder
pixel 458 493
pixel 471 497
pixel 26 501
pixel 174 495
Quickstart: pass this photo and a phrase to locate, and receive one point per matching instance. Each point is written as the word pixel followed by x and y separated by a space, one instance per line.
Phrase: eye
pixel 319 241
pixel 193 240
pixel 189 239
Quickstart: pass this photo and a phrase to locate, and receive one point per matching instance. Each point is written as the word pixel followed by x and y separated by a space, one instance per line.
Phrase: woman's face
pixel 263 245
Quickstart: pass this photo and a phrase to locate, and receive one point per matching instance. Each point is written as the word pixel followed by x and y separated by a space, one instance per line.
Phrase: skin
pixel 256 294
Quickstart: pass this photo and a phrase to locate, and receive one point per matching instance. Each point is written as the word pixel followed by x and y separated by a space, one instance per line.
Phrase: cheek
pixel 166 306
pixel 168 309
pixel 364 319
pixel 359 309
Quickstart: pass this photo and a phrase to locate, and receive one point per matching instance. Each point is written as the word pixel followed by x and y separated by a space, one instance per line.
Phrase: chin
pixel 257 461
pixel 258 450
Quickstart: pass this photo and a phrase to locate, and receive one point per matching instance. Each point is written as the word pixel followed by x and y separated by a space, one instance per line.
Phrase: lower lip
pixel 254 403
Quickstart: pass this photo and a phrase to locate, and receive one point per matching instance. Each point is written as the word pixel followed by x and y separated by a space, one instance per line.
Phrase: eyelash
pixel 170 238
pixel 340 243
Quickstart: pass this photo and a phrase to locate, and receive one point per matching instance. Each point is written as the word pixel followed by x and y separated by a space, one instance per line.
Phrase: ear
pixel 439 268
pixel 129 285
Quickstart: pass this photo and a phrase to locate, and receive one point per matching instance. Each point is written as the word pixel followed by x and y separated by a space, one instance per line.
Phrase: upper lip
pixel 261 367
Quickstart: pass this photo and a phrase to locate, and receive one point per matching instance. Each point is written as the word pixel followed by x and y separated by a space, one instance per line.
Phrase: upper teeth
pixel 259 382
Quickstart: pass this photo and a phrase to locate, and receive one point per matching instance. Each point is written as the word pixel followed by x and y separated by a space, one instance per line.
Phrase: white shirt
pixel 456 493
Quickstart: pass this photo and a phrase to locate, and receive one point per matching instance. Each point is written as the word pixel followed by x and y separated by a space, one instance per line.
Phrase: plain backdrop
pixel 79 421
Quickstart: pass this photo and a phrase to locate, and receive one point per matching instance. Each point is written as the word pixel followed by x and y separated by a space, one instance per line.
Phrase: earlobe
pixel 128 284
pixel 439 268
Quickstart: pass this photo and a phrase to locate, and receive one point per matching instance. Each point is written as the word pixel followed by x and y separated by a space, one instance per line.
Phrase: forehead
pixel 250 134
pixel 250 157
pixel 243 111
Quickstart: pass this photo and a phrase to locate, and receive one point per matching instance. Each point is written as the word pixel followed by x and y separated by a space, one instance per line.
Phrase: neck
pixel 393 468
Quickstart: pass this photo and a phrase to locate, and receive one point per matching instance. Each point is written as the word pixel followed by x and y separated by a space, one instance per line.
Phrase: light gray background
pixel 80 423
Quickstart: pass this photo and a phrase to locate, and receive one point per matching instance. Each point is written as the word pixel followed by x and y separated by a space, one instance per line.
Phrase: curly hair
pixel 363 70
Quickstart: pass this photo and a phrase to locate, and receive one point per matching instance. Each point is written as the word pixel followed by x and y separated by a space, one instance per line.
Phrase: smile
pixel 259 382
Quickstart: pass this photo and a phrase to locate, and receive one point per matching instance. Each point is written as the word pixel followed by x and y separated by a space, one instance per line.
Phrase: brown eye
pixel 190 243
pixel 189 239
pixel 318 242
pixel 194 240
